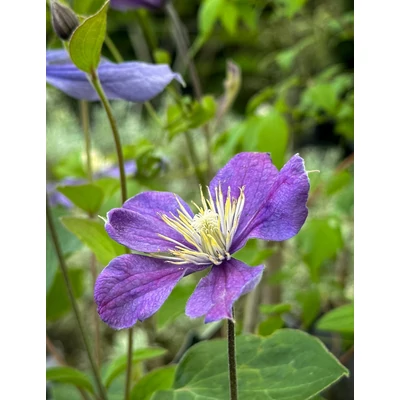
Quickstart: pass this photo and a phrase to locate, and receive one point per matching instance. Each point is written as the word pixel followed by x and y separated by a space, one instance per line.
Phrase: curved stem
pixel 75 309
pixel 94 80
pixel 233 388
pixel 84 112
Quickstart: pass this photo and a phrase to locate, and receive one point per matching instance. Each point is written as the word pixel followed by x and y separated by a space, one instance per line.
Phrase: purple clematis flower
pixel 131 81
pixel 124 5
pixel 248 198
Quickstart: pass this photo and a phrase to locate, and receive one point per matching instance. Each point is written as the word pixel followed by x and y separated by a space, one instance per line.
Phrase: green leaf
pixel 158 379
pixel 275 308
pixel 337 182
pixel 267 133
pixel 289 364
pixel 310 302
pixel 259 98
pixel 87 197
pixel 323 96
pixel 109 186
pixel 175 304
pixel 270 325
pixel 87 7
pixel 57 300
pixel 69 375
pixel 68 242
pixel 208 14
pixel 339 320
pixel 229 18
pixel 320 240
pixel 93 235
pixel 87 40
pixel 291 7
pixel 118 365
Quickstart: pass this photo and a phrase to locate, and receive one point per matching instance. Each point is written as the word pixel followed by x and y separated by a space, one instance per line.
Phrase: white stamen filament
pixel 210 231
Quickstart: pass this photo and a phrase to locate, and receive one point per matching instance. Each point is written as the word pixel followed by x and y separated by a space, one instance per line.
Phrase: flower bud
pixel 63 19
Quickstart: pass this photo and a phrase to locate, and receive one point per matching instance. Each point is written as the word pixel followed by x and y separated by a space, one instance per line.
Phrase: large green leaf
pixel 158 379
pixel 87 40
pixel 69 375
pixel 88 197
pixel 57 300
pixel 93 235
pixel 68 242
pixel 339 320
pixel 118 365
pixel 86 7
pixel 288 365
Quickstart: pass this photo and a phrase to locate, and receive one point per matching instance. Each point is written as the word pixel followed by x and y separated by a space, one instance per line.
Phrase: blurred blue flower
pixel 131 81
pixel 124 5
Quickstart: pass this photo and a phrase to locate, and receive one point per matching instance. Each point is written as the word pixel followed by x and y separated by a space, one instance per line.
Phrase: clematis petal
pixel 284 210
pixel 215 294
pixel 131 81
pixel 138 223
pixel 133 288
pixel 124 5
pixel 254 171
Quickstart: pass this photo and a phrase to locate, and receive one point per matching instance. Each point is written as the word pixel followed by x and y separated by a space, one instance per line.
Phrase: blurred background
pixel 276 76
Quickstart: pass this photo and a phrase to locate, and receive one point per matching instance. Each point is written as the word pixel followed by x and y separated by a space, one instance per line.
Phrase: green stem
pixel 195 161
pixel 94 80
pixel 113 50
pixel 129 365
pixel 233 387
pixel 75 309
pixel 183 49
pixel 84 111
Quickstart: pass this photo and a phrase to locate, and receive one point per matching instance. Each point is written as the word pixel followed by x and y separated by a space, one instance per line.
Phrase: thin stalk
pixel 183 49
pixel 60 359
pixel 84 112
pixel 195 161
pixel 113 50
pixel 93 78
pixel 233 387
pixel 75 309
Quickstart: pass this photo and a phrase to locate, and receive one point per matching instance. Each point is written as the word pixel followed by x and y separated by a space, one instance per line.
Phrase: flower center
pixel 210 231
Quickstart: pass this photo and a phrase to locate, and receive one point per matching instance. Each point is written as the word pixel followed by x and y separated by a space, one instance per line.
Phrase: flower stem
pixel 183 49
pixel 75 309
pixel 84 112
pixel 94 79
pixel 233 387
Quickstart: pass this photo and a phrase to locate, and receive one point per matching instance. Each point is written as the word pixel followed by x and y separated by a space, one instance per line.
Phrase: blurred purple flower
pixel 124 5
pixel 131 81
pixel 55 197
pixel 248 198
pixel 113 171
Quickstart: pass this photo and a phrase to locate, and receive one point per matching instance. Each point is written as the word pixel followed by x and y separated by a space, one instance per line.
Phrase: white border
pixel 377 199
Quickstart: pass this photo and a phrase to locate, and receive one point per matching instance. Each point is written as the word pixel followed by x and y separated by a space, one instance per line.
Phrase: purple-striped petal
pixel 133 288
pixel 284 210
pixel 138 223
pixel 131 81
pixel 257 174
pixel 124 5
pixel 215 294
